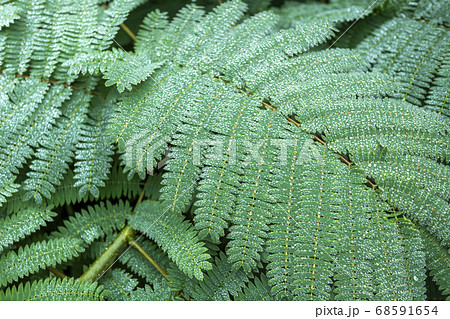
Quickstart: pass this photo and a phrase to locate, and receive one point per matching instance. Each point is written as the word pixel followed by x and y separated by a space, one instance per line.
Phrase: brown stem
pixel 318 139
pixel 56 272
pixel 128 31
pixel 135 244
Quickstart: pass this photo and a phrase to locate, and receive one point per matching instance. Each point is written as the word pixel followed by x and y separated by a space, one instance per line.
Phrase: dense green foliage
pixel 252 150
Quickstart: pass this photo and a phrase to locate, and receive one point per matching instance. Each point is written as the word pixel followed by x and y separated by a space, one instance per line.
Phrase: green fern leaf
pixel 23 223
pixel 119 284
pixel 159 292
pixel 296 13
pixel 8 14
pixel 434 11
pixel 414 258
pixel 37 115
pixel 57 150
pixel 96 222
pixel 128 70
pixel 438 262
pixel 438 97
pixel 391 279
pixel 221 282
pixel 93 155
pixel 151 31
pixel 92 62
pixel 175 236
pixel 258 290
pixel 410 51
pixel 21 35
pixel 30 259
pixel 108 21
pixel 54 290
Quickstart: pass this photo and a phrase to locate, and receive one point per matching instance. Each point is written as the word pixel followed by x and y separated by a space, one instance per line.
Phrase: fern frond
pixel 24 222
pixel 434 11
pixel 128 70
pixel 174 235
pixel 258 290
pixel 47 43
pixel 54 289
pixel 30 259
pixel 91 62
pixel 400 127
pixel 214 26
pixel 22 102
pixel 173 86
pixel 438 98
pixel 279 46
pixel 294 13
pixel 420 205
pixel 422 172
pixel 221 282
pixel 179 281
pixel 414 258
pixel 116 186
pixel 58 145
pixel 8 14
pixel 2 48
pixel 409 50
pixel 250 219
pixel 266 82
pixel 391 279
pixel 38 114
pixel 160 291
pixel 185 162
pixel 46 34
pixel 151 32
pixel 155 119
pixel 93 155
pixel 21 36
pixel 344 86
pixel 438 262
pixel 180 28
pixel 108 22
pixel 281 237
pixel 80 24
pixel 307 173
pixel 96 222
pixel 119 284
pixel 323 184
pixel 248 33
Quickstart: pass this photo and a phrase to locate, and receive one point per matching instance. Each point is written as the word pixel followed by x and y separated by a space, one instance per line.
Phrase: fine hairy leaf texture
pixel 224 150
pixel 30 259
pixel 54 290
pixel 96 222
pixel 220 282
pixel 24 222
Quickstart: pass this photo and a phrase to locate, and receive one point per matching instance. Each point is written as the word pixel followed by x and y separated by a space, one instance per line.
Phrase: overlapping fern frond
pixel 55 290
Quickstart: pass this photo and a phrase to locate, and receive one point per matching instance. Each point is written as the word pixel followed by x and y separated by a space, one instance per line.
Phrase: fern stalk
pixel 135 244
pixel 109 255
pixel 56 272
